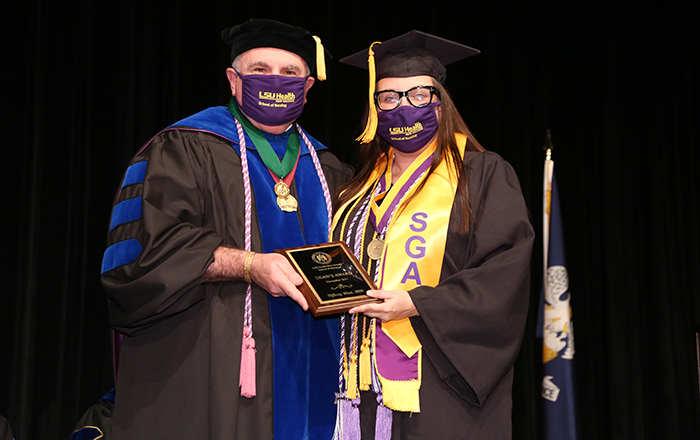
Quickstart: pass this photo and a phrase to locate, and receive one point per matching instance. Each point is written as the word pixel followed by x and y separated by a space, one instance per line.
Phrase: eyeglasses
pixel 418 96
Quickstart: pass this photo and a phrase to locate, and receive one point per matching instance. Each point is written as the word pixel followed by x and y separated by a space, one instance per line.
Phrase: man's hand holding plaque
pixel 334 281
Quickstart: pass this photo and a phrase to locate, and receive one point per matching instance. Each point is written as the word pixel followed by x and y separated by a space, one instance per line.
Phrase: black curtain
pixel 86 83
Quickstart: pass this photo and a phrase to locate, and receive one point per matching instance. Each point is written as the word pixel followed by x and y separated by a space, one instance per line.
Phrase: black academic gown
pixel 179 367
pixel 471 324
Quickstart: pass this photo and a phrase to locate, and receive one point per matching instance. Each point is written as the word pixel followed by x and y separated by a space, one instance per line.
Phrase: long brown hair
pixel 451 122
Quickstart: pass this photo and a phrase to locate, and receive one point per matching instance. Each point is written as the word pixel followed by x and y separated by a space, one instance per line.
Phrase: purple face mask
pixel 272 99
pixel 407 128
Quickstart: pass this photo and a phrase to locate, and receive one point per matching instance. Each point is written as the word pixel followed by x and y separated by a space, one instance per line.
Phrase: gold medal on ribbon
pixel 287 204
pixel 375 248
pixel 285 200
pixel 281 189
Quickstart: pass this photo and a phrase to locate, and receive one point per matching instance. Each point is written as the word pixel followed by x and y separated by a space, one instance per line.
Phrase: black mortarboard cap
pixel 411 54
pixel 258 32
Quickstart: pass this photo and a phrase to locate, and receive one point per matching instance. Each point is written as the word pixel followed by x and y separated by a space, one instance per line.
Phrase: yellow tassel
pixel 365 364
pixel 352 379
pixel 365 367
pixel 371 127
pixel 320 60
pixel 401 395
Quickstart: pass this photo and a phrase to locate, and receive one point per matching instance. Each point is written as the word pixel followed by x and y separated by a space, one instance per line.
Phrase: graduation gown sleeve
pixel 471 324
pixel 175 231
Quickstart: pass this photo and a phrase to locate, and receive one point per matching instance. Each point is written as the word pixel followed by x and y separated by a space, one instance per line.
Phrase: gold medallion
pixel 281 189
pixel 375 248
pixel 287 204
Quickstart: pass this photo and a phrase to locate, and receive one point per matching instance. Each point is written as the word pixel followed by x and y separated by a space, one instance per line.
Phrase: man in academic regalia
pixel 216 340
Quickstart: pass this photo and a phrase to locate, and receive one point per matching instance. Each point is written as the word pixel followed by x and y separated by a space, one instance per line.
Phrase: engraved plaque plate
pixel 334 281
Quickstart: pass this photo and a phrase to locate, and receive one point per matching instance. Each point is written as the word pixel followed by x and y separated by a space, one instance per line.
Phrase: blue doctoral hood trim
pixel 110 396
pixel 91 432
pixel 126 211
pixel 120 253
pixel 136 173
pixel 220 121
pixel 87 433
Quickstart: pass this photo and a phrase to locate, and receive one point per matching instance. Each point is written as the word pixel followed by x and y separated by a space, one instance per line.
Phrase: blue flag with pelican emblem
pixel 556 329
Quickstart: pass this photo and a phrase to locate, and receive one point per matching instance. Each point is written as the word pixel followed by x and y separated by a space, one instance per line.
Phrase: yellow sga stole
pixel 416 237
pixel 415 234
pixel 415 247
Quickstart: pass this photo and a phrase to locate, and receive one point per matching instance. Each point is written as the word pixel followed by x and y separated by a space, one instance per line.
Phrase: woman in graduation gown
pixel 441 226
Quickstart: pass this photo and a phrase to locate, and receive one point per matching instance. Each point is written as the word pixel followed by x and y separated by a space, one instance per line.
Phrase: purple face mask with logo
pixel 407 128
pixel 272 99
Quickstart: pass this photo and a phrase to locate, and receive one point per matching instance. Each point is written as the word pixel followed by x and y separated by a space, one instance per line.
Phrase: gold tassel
pixel 365 362
pixel 352 377
pixel 371 127
pixel 401 395
pixel 320 60
pixel 365 367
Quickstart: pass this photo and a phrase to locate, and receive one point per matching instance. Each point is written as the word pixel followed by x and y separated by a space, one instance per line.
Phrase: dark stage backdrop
pixel 84 85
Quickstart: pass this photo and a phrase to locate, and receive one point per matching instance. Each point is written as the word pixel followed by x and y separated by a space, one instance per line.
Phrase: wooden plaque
pixel 334 281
